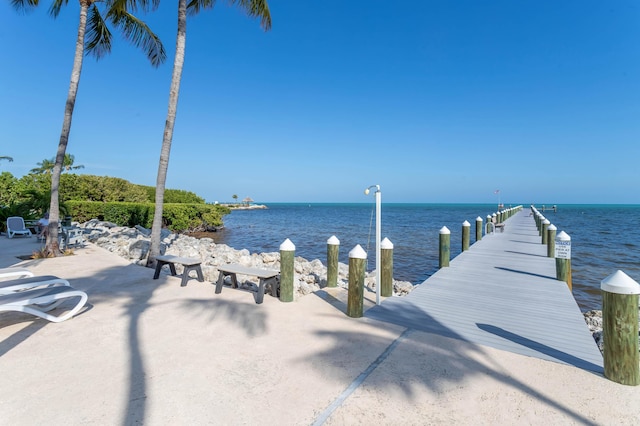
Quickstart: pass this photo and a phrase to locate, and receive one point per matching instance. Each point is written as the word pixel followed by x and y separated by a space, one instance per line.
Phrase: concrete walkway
pixel 151 352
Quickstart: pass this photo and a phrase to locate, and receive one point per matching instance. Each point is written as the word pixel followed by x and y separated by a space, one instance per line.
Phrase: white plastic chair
pixel 15 226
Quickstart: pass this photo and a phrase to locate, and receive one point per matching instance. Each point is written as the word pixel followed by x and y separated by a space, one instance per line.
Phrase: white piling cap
pixel 334 241
pixel 478 219
pixel 563 236
pixel 357 253
pixel 494 214
pixel 444 230
pixel 620 283
pixel 466 223
pixel 546 222
pixel 386 244
pixel 552 227
pixel 489 216
pixel 287 245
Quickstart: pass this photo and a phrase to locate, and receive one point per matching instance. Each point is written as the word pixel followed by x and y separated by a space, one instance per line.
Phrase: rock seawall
pixel 133 244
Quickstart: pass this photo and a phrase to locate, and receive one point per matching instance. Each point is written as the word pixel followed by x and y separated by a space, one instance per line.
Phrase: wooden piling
pixel 563 258
pixel 620 328
pixel 478 228
pixel 386 278
pixel 466 235
pixel 287 256
pixel 551 240
pixel 445 246
pixel 333 249
pixel 355 300
pixel 488 229
pixel 545 226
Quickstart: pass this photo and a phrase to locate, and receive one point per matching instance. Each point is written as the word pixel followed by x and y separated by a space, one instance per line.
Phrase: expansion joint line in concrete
pixel 358 380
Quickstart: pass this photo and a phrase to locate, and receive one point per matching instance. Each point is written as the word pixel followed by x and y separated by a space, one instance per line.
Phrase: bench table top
pixel 177 259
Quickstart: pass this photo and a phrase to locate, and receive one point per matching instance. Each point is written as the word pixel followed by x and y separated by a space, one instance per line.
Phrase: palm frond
pixel 195 6
pixel 24 6
pixel 256 9
pixel 56 6
pixel 98 36
pixel 139 34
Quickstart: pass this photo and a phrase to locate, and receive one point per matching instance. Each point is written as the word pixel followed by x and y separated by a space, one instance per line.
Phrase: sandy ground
pixel 151 352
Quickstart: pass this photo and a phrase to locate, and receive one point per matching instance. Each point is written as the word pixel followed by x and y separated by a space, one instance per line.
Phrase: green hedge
pixel 177 217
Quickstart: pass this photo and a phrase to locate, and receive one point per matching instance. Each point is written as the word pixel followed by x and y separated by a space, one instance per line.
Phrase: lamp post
pixel 378 197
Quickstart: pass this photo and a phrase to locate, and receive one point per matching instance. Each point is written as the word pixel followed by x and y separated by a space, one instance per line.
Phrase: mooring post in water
pixel 478 228
pixel 333 248
pixel 620 328
pixel 551 240
pixel 545 226
pixel 489 229
pixel 445 246
pixel 287 256
pixel 386 257
pixel 355 300
pixel 563 258
pixel 466 235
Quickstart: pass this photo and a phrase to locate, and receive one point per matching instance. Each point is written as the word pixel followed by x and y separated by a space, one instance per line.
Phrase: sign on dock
pixel 563 249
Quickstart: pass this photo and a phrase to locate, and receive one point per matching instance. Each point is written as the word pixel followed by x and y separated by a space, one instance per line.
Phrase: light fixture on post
pixel 378 198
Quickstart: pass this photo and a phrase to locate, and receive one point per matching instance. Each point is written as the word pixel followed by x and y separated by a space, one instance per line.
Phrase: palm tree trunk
pixel 178 63
pixel 52 247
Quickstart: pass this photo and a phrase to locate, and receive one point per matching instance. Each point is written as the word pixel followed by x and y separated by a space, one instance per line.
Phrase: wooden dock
pixel 501 293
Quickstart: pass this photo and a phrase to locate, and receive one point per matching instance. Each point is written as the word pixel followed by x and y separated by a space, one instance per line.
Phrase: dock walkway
pixel 502 293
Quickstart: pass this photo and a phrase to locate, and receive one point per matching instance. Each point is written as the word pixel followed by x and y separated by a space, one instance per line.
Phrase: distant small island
pixel 245 206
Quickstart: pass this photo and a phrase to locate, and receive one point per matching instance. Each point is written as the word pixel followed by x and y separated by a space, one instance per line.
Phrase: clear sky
pixel 435 101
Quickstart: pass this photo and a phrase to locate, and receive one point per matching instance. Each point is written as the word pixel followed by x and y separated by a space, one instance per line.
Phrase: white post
pixel 378 239
pixel 378 232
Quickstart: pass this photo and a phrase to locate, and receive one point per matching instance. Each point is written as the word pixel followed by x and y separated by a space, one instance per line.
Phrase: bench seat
pixel 265 275
pixel 189 263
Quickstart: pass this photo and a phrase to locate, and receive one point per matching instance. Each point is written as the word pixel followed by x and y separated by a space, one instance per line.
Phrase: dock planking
pixel 502 293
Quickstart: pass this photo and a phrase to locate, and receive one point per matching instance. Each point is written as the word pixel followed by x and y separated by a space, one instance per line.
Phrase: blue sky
pixel 436 101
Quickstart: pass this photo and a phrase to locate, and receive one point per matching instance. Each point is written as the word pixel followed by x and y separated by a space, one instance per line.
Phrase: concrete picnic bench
pixel 265 275
pixel 189 263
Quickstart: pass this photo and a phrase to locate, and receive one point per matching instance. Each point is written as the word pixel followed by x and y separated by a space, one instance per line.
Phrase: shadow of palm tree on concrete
pixel 438 361
pixel 135 290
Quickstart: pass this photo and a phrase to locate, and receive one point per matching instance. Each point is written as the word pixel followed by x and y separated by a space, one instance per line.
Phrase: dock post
pixel 478 228
pixel 540 220
pixel 620 328
pixel 545 226
pixel 333 248
pixel 488 230
pixel 355 300
pixel 445 246
pixel 466 235
pixel 386 278
pixel 551 240
pixel 287 256
pixel 563 258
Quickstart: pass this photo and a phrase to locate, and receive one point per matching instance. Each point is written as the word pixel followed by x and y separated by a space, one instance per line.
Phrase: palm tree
pixel 235 198
pixel 97 43
pixel 46 166
pixel 253 8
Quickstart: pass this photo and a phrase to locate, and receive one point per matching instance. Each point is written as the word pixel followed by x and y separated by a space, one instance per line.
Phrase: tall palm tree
pixel 46 166
pixel 253 8
pixel 98 44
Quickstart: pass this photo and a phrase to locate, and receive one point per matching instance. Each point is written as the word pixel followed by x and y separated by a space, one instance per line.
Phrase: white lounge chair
pixel 30 283
pixel 15 226
pixel 14 273
pixel 40 301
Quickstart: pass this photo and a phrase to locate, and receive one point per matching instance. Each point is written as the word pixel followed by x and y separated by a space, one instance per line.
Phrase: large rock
pixel 133 244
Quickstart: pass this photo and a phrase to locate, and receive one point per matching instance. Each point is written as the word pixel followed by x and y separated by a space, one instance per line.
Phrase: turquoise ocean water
pixel 604 237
